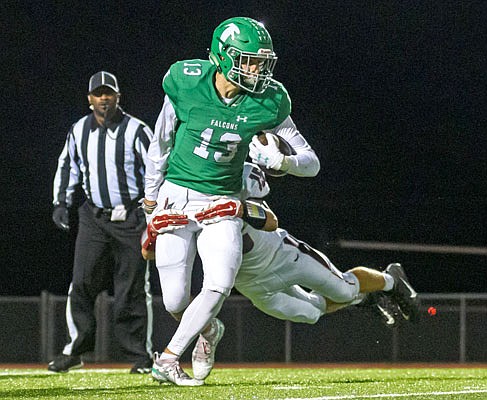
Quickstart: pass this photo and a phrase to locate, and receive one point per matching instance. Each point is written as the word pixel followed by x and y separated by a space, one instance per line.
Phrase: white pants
pixel 275 291
pixel 219 246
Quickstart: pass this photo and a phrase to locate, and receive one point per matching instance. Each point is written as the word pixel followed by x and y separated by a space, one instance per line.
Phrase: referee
pixel 106 151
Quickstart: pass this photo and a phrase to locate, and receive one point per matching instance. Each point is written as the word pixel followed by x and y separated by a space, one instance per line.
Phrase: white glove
pixel 268 155
pixel 220 210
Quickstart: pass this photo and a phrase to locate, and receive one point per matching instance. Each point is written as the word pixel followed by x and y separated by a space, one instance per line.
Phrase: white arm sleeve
pixel 305 163
pixel 159 150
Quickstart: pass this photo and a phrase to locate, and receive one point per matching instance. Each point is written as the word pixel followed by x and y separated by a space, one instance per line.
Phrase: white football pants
pixel 274 290
pixel 219 246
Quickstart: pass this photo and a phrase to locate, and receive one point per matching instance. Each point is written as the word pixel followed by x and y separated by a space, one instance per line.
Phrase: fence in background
pixel 412 247
pixel 33 330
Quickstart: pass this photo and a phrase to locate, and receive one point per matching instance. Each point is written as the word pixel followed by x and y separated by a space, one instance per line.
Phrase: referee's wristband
pixel 254 214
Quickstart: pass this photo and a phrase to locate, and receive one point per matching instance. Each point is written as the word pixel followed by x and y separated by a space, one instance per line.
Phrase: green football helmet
pixel 239 42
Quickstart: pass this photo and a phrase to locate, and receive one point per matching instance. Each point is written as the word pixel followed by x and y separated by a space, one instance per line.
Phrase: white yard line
pixel 387 395
pixel 73 371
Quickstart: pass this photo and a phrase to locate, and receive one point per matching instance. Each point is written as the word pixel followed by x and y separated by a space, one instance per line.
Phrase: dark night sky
pixel 391 94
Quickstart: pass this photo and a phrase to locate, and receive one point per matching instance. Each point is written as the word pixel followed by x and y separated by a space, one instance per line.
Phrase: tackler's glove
pixel 148 243
pixel 163 221
pixel 60 216
pixel 267 155
pixel 220 210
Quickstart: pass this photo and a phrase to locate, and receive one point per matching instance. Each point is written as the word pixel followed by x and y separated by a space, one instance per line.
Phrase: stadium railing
pixel 33 330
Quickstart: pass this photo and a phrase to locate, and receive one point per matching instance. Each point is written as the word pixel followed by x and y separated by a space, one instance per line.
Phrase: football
pixel 284 147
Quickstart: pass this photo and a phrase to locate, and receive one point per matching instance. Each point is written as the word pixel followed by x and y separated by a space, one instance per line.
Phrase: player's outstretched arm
pixel 258 214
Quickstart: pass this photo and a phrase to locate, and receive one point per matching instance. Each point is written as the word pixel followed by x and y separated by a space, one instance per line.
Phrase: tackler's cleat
pixel 384 307
pixel 403 293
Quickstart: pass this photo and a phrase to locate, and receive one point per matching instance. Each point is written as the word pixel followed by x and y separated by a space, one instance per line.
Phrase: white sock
pixel 389 282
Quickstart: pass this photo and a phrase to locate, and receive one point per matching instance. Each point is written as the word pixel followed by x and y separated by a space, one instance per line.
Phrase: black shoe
pixel 142 367
pixel 403 293
pixel 64 363
pixel 382 306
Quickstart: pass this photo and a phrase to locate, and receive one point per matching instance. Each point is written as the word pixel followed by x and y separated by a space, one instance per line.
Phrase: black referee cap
pixel 103 78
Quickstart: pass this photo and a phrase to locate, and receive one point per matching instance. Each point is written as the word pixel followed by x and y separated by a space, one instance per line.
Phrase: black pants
pixel 132 300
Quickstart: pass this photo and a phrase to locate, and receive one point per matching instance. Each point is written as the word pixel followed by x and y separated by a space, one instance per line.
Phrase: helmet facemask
pixel 241 75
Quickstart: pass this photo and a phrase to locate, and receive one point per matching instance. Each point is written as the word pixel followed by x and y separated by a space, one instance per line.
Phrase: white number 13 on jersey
pixel 232 140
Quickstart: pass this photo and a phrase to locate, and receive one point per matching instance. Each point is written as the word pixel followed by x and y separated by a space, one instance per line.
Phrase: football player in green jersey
pixel 208 123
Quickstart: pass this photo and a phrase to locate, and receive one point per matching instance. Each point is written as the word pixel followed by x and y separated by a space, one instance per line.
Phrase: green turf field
pixel 252 384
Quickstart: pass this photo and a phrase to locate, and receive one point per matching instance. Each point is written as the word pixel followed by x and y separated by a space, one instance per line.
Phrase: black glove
pixel 60 216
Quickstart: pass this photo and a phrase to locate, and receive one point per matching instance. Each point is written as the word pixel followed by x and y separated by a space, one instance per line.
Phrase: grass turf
pixel 252 384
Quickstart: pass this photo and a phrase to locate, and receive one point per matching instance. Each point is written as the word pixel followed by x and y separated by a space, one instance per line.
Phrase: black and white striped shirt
pixel 110 161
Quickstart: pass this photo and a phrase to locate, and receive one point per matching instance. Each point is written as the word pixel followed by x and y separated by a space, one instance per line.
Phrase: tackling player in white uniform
pixel 276 266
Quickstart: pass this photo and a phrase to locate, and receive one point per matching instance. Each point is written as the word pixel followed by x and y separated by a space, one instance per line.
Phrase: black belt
pixel 103 211
pixel 98 211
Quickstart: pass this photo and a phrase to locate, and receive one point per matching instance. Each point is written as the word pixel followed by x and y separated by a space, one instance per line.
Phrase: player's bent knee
pixel 175 306
pixel 347 290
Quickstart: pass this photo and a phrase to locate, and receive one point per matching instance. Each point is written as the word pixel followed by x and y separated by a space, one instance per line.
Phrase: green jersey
pixel 212 138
